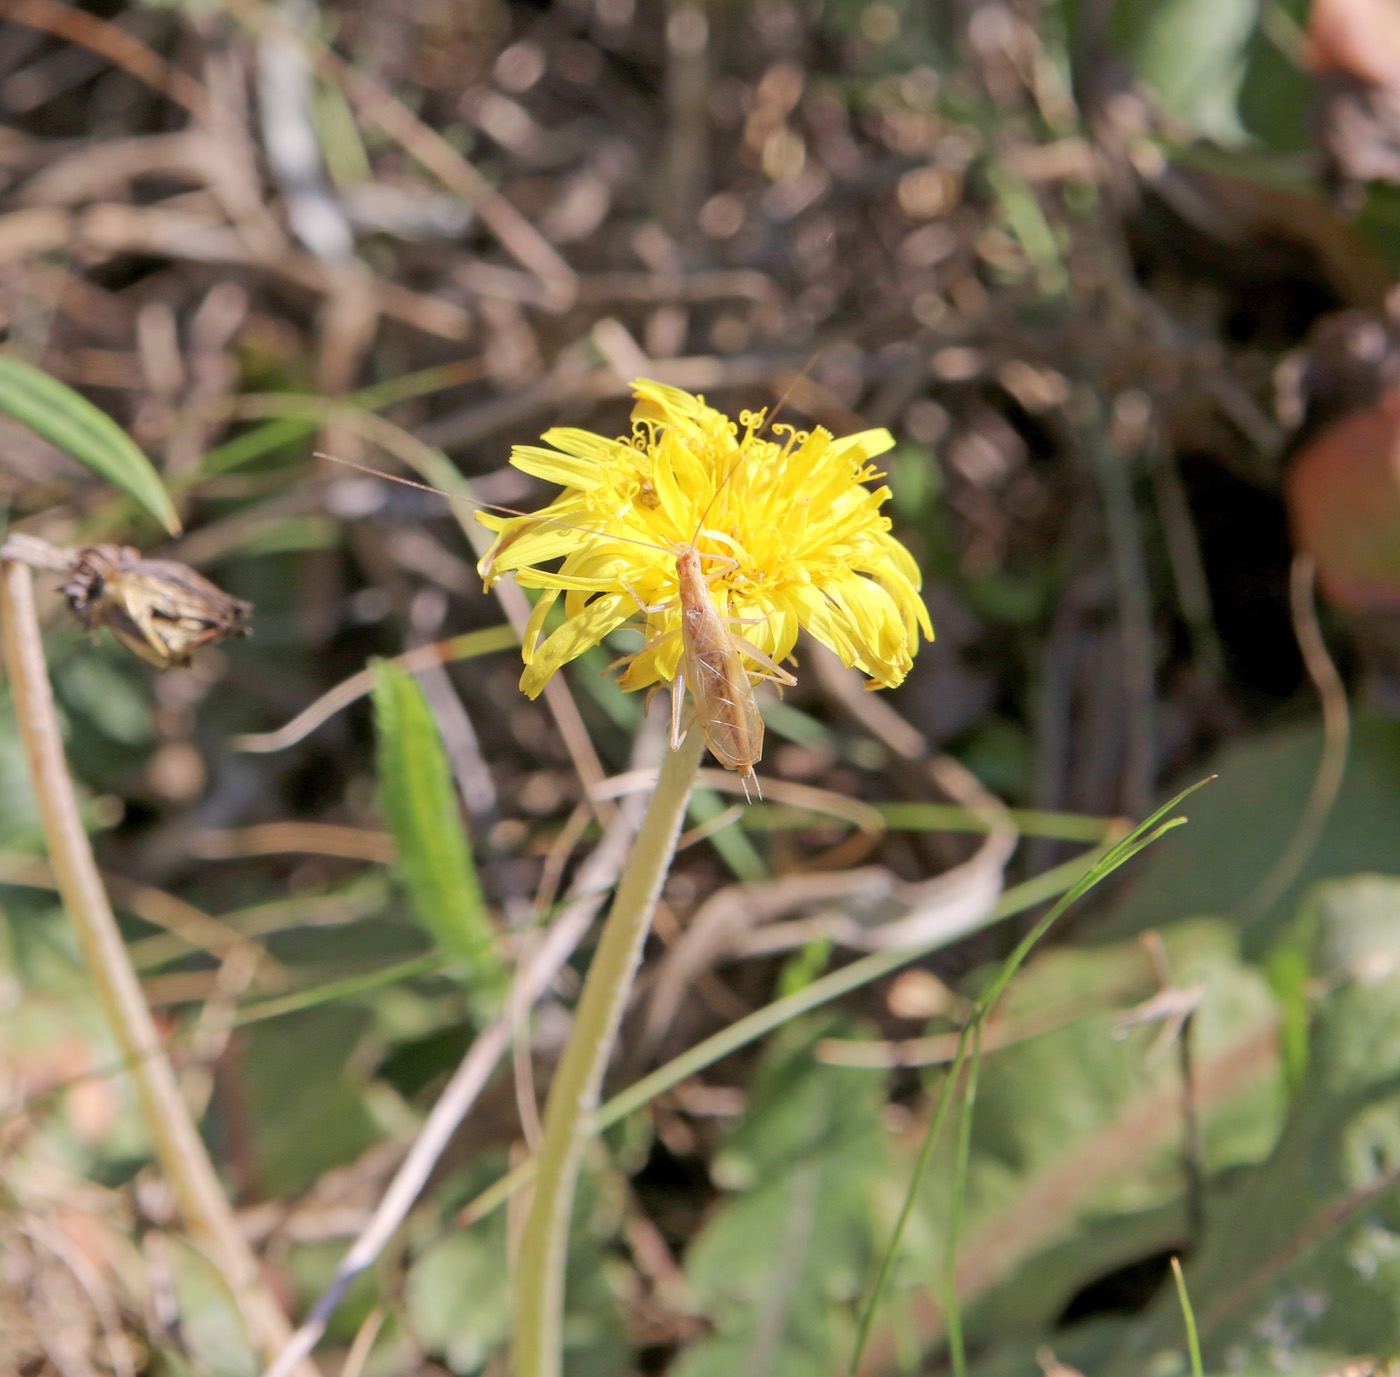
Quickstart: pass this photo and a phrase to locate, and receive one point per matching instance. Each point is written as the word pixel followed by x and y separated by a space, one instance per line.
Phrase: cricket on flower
pixel 726 543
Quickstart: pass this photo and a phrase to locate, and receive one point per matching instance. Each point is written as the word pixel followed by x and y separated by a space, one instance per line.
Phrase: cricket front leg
pixel 648 608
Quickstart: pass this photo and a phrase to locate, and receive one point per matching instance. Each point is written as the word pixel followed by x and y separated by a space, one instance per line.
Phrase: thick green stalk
pixel 177 1143
pixel 573 1093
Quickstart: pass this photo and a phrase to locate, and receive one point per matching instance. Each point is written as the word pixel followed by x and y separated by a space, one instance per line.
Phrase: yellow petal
pixel 875 626
pixel 678 509
pixel 560 581
pixel 863 445
pixel 661 402
pixel 815 613
pixel 901 560
pixel 579 633
pixel 537 540
pixel 569 471
pixel 806 459
pixel 702 463
pixel 534 628
pixel 907 599
pixel 771 628
pixel 656 662
pixel 583 444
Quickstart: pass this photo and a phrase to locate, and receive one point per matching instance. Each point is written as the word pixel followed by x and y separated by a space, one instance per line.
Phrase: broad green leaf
pixel 306 1112
pixel 778 1269
pixel 420 807
pixel 457 1294
pixel 114 702
pixel 71 423
pixel 1142 836
pixel 1192 53
pixel 1277 98
pixel 1299 1268
pixel 1244 823
pixel 1076 1166
pixel 210 1324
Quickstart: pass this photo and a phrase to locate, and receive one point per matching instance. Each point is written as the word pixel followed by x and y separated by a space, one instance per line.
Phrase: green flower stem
pixel 177 1143
pixel 574 1091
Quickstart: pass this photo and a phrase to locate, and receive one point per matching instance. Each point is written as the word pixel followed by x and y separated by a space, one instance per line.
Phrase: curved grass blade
pixel 333 990
pixel 298 416
pixel 435 862
pixel 957 1350
pixel 70 422
pixel 1142 836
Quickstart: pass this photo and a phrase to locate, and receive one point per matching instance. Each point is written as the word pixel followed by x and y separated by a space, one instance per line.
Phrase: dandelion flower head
pixel 796 540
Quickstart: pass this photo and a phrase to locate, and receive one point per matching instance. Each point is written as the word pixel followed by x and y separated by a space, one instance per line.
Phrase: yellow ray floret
pixel 796 540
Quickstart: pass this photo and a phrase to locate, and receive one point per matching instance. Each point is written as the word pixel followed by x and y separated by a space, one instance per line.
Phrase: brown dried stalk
pixel 177 1143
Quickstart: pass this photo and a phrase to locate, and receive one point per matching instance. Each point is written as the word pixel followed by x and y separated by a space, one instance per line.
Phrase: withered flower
pixel 162 610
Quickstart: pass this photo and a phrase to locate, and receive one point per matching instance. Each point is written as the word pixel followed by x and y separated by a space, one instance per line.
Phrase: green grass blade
pixel 434 859
pixel 1193 1340
pixel 921 1164
pixel 335 990
pixel 253 444
pixel 305 413
pixel 957 1350
pixel 70 422
pixel 939 817
pixel 1143 835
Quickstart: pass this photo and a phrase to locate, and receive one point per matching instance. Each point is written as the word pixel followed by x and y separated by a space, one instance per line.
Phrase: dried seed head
pixel 162 610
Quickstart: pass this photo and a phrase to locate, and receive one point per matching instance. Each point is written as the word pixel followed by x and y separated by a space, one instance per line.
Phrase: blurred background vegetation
pixel 1117 277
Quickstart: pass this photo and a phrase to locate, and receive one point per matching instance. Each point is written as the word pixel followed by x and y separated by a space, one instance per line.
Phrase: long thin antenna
pixel 505 511
pixel 411 483
pixel 792 387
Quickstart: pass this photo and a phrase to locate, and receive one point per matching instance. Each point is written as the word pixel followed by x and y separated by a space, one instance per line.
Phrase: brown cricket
pixel 712 667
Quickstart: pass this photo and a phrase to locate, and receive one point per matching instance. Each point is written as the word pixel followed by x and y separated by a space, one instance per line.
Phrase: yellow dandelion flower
pixel 788 534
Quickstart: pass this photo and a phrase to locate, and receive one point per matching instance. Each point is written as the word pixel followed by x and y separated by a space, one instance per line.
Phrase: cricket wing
pixel 725 708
